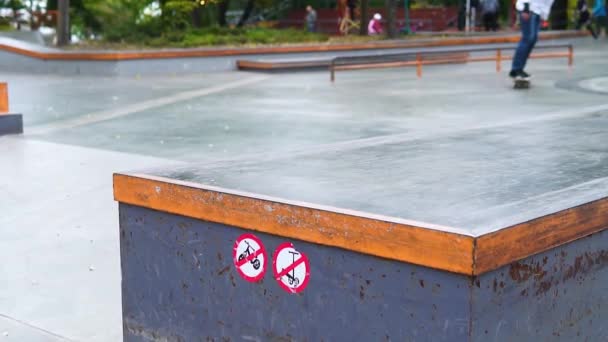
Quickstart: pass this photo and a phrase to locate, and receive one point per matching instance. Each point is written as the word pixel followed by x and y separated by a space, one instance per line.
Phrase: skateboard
pixel 521 84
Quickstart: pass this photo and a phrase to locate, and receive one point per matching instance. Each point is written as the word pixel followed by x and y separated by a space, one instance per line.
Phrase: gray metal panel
pixel 11 124
pixel 558 295
pixel 12 62
pixel 179 283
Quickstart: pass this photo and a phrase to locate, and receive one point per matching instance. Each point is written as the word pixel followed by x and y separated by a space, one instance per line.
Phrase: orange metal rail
pixel 3 98
pixel 423 58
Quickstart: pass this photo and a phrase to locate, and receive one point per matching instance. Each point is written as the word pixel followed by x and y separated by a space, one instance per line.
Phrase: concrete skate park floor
pixel 61 275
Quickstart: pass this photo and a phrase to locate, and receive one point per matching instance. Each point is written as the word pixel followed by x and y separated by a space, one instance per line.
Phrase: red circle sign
pixel 249 256
pixel 291 268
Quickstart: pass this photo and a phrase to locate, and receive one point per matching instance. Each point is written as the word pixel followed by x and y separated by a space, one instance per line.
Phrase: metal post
pixel 418 65
pixel 498 59
pixel 467 20
pixel 3 98
pixel 63 23
pixel 332 71
pixel 406 9
pixel 570 55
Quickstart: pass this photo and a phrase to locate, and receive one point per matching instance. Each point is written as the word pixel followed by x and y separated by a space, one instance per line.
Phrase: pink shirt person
pixel 375 26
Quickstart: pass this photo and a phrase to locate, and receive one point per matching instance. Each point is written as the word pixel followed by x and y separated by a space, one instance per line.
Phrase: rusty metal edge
pixel 444 248
pixel 488 252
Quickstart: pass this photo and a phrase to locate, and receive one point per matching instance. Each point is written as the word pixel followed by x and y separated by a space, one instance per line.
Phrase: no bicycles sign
pixel 291 268
pixel 249 256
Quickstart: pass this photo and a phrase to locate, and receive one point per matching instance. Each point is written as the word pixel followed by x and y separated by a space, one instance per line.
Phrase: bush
pixel 5 24
pixel 223 36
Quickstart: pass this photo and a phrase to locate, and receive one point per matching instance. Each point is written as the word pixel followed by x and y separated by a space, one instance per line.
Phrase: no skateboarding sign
pixel 291 268
pixel 249 257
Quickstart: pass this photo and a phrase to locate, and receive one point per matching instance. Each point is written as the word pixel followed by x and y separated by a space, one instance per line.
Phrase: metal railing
pixel 442 56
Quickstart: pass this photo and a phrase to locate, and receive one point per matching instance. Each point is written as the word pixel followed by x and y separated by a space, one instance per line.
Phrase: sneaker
pixel 524 75
pixel 513 74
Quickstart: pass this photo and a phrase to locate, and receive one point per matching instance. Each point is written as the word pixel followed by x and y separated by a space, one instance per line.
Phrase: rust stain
pixel 223 270
pixel 584 263
pixel 520 272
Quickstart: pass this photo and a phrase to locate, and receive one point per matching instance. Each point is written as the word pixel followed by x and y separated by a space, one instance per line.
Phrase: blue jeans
pixel 529 35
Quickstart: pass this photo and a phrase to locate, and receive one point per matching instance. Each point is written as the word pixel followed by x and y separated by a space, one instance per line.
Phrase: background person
pixel 375 25
pixel 311 19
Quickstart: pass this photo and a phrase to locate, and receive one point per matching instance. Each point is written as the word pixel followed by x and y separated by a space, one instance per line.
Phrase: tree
pixel 15 6
pixel 249 7
pixel 177 14
pixel 391 16
pixel 222 8
pixel 246 13
pixel 364 17
pixel 63 23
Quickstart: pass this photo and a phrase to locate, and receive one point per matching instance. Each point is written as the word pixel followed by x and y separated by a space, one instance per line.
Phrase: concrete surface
pixel 14 62
pixel 461 125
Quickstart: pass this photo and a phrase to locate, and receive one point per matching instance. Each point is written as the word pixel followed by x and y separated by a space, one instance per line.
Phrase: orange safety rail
pixel 3 98
pixel 418 59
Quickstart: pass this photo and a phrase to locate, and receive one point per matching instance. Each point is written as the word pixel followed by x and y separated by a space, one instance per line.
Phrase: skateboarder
pixel 584 17
pixel 601 20
pixel 531 12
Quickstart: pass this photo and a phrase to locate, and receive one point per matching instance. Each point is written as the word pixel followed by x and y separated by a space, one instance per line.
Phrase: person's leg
pixel 535 23
pixel 590 28
pixel 521 53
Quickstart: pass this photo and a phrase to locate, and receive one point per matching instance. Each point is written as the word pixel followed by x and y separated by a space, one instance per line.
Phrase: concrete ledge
pixel 56 54
pixel 425 244
pixel 17 56
pixel 182 269
pixel 11 124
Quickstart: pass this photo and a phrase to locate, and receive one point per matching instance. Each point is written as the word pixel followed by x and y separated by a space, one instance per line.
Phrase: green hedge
pixel 222 36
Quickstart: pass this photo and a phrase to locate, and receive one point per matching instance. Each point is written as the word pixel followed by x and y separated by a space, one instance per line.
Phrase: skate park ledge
pixel 10 123
pixel 424 244
pixel 57 54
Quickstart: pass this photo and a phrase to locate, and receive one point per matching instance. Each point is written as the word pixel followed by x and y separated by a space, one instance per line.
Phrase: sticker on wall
pixel 249 257
pixel 291 268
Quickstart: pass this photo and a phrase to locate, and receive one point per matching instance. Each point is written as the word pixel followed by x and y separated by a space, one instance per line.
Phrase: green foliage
pixel 236 36
pixel 119 19
pixel 177 14
pixel 5 24
pixel 126 21
pixel 12 4
pixel 51 5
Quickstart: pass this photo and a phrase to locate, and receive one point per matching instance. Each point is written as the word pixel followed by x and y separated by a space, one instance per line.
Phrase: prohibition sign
pixel 291 268
pixel 249 256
